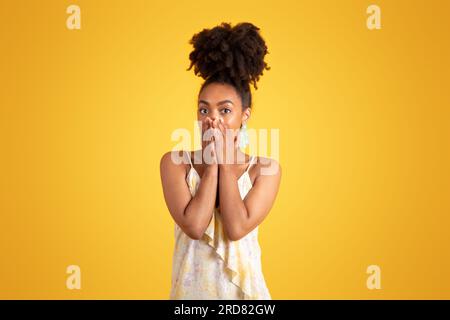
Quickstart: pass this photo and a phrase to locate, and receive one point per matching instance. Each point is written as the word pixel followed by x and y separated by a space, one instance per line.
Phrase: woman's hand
pixel 209 146
pixel 226 143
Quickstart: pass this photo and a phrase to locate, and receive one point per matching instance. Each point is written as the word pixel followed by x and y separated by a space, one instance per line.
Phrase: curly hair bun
pixel 235 53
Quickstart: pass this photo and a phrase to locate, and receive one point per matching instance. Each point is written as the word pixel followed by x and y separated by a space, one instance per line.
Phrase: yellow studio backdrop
pixel 364 145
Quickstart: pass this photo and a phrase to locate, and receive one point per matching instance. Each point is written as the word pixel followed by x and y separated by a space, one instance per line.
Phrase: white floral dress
pixel 215 267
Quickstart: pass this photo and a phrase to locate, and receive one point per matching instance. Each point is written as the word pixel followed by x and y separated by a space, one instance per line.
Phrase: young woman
pixel 218 204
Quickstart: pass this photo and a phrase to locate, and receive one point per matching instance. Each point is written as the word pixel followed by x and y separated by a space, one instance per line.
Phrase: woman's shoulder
pixel 267 166
pixel 174 158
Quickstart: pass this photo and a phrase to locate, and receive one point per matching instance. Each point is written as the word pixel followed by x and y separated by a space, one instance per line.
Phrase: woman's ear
pixel 246 114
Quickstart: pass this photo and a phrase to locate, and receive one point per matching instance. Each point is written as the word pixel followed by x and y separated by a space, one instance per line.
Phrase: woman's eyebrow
pixel 219 103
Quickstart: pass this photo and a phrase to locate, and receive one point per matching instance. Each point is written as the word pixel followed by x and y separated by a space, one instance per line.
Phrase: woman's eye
pixel 203 110
pixel 226 110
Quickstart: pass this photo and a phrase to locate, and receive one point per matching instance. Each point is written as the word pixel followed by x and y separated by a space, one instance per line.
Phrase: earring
pixel 243 136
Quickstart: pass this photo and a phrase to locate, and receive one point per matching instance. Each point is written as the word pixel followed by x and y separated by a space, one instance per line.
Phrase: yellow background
pixel 85 116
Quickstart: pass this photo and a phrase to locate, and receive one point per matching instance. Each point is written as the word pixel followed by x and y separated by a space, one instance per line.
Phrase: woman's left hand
pixel 227 143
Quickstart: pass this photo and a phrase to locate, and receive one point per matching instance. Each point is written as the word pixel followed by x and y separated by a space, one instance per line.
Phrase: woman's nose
pixel 214 117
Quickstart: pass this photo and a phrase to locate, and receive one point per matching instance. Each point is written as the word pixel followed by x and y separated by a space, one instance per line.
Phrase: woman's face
pixel 221 101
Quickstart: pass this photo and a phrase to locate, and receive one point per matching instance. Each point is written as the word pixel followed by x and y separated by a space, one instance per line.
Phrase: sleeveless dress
pixel 214 267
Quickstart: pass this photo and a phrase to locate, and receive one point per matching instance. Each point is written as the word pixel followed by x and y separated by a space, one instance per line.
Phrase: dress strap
pixel 250 163
pixel 189 157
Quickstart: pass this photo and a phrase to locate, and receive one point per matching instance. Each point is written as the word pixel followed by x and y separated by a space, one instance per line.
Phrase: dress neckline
pixel 239 179
pixel 251 162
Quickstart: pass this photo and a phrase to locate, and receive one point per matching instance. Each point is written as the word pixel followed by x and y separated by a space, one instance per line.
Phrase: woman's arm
pixel 192 214
pixel 242 216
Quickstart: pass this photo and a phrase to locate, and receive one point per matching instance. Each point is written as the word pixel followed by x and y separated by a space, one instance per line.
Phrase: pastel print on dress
pixel 215 267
